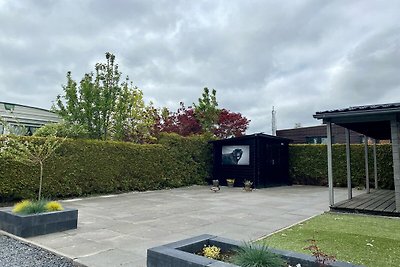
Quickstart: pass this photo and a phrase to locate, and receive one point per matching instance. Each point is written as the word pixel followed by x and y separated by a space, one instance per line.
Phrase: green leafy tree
pixel 206 111
pixel 92 102
pixel 134 119
pixel 30 153
pixel 105 106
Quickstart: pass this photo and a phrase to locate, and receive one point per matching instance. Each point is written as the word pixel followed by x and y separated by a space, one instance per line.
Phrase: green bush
pixel 84 167
pixel 308 165
pixel 62 129
pixel 194 154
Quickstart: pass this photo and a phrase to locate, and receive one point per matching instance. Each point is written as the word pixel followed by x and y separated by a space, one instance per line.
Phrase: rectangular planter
pixel 181 254
pixel 38 224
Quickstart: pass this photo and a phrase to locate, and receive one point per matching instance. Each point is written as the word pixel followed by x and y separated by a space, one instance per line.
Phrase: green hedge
pixel 84 167
pixel 308 165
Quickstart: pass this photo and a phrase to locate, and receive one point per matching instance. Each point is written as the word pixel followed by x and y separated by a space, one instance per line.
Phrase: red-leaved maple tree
pixel 230 124
pixel 184 122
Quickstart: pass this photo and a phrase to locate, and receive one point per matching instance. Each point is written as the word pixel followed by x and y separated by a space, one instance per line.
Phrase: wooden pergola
pixel 379 122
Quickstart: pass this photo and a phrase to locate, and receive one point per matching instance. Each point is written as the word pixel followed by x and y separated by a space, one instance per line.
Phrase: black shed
pixel 260 158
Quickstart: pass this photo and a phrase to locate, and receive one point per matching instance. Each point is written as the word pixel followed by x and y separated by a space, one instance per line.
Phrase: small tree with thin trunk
pixel 30 153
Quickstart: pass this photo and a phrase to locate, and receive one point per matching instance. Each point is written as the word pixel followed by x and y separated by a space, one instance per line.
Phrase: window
pixel 17 129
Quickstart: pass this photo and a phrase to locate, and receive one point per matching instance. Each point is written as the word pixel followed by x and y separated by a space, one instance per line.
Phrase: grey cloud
pixel 300 57
pixel 370 72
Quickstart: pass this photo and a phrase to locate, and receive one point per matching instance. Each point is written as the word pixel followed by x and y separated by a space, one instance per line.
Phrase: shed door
pixel 271 168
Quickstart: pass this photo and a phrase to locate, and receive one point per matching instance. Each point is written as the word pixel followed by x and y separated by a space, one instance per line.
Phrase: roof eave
pixel 328 115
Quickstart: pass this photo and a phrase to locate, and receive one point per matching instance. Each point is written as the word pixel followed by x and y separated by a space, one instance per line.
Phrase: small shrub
pixel 21 206
pixel 54 206
pixel 33 207
pixel 260 256
pixel 62 129
pixel 38 206
pixel 322 258
pixel 212 252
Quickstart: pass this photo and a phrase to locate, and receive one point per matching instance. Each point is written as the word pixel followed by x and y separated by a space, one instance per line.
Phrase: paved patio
pixel 116 230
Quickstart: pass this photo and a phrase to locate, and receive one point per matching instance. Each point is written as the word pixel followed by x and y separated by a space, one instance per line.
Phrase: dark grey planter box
pixel 38 224
pixel 180 254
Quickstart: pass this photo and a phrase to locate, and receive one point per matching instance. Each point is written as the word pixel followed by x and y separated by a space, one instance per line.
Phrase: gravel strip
pixel 15 253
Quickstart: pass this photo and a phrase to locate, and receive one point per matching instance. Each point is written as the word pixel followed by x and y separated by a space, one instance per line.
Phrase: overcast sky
pixel 299 56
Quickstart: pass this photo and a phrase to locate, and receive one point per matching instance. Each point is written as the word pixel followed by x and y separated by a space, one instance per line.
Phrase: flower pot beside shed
pixel 248 186
pixel 230 182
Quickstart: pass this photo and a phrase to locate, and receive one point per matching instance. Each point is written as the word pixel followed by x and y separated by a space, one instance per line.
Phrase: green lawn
pixel 366 240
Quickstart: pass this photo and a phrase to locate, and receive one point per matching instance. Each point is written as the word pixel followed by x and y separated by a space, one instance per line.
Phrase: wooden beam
pixel 366 164
pixel 348 161
pixel 330 171
pixel 394 125
pixel 375 167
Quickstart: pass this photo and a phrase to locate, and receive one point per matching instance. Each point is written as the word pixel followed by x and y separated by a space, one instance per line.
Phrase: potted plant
pixel 215 183
pixel 230 182
pixel 247 185
pixel 215 187
pixel 34 217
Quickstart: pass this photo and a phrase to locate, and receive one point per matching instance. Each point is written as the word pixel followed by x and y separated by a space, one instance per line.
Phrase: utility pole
pixel 273 121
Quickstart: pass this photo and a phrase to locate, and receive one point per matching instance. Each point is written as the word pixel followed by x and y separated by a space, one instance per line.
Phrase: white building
pixel 24 120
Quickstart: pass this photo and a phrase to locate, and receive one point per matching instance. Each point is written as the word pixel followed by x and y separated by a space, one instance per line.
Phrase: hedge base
pixel 38 224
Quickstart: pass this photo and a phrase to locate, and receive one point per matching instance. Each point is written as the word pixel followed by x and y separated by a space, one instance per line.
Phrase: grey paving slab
pixel 117 230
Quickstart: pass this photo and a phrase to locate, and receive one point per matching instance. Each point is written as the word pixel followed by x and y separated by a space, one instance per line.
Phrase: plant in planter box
pixel 36 206
pixel 250 256
pixel 321 257
pixel 212 252
pixel 188 253
pixel 31 218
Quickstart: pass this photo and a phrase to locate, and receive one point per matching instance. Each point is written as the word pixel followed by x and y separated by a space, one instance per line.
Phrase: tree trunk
pixel 41 180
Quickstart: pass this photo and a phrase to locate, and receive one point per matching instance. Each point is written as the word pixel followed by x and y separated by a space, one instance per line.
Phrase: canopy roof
pixel 371 120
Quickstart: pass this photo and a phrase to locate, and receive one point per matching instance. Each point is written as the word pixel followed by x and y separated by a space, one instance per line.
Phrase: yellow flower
pixel 20 206
pixel 211 252
pixel 54 206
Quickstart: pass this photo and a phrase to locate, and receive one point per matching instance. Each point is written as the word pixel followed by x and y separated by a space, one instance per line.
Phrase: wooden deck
pixel 378 202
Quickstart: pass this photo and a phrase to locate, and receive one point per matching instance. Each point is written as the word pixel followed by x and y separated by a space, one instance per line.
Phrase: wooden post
pixel 330 172
pixel 348 161
pixel 366 163
pixel 375 167
pixel 394 125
